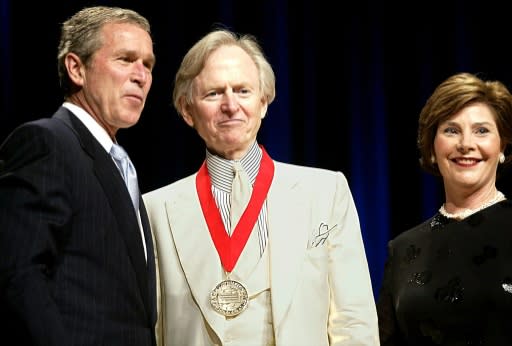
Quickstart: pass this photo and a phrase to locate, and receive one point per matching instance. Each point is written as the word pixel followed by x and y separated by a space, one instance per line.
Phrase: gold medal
pixel 229 298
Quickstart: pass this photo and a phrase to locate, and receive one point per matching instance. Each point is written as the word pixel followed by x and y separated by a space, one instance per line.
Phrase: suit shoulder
pixel 165 191
pixel 418 231
pixel 36 127
pixel 35 138
pixel 310 176
pixel 302 170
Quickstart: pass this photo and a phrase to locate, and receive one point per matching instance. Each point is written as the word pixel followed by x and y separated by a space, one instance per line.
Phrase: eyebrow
pixel 480 123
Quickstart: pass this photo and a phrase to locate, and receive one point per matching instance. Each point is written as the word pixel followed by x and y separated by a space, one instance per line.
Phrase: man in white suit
pixel 292 269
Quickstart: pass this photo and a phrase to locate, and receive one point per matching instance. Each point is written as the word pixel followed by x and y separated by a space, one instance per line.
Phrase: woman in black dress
pixel 448 281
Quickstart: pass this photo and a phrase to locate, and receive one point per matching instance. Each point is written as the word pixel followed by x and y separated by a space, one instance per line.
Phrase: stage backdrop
pixel 351 81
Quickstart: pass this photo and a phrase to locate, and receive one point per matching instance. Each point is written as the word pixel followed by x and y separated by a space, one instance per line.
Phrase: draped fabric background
pixel 351 81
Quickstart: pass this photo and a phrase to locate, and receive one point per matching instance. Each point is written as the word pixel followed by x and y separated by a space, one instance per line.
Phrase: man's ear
pixel 264 109
pixel 74 67
pixel 185 112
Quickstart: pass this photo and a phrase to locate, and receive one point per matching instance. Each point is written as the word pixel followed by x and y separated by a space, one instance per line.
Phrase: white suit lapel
pixel 287 214
pixel 196 252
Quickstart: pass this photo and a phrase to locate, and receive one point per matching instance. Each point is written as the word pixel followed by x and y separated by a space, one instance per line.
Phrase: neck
pixel 235 153
pixel 78 99
pixel 461 213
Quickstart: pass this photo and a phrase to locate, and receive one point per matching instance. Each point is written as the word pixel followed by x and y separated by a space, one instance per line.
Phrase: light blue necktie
pixel 125 166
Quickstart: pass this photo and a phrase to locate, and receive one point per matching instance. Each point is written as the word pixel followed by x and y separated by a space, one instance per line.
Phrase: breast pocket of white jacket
pixel 315 280
pixel 317 261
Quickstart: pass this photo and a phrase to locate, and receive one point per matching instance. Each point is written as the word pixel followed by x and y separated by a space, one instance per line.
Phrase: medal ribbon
pixel 230 248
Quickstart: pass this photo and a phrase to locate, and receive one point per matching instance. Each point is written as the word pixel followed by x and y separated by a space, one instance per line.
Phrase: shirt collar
pixel 221 170
pixel 92 125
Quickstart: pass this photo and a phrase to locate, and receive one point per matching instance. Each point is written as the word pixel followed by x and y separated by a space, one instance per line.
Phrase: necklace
pixel 467 212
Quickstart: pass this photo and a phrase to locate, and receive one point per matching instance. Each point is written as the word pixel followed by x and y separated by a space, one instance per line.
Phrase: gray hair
pixel 195 59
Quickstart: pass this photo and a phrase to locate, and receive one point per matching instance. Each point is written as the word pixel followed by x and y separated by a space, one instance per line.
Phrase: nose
pixel 229 103
pixel 141 74
pixel 465 144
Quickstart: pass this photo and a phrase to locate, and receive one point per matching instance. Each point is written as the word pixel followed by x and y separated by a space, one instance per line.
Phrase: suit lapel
pixel 151 269
pixel 197 254
pixel 117 195
pixel 287 244
pixel 287 214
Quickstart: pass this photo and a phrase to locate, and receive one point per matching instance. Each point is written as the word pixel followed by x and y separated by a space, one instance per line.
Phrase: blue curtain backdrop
pixel 351 81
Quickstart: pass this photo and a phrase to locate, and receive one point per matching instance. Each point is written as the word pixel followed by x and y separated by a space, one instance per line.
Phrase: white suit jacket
pixel 321 292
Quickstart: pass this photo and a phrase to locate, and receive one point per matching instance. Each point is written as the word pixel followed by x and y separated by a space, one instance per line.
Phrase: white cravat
pixel 241 190
pixel 125 166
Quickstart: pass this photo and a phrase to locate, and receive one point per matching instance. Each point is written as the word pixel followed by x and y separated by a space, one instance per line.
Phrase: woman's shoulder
pixel 418 231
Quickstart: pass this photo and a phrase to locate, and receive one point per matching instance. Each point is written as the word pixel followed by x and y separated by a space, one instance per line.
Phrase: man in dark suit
pixel 76 258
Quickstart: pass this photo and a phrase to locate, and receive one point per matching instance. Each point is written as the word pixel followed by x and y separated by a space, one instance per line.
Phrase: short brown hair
pixel 450 97
pixel 81 34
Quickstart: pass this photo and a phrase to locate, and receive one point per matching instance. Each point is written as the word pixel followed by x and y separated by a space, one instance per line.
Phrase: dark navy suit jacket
pixel 72 266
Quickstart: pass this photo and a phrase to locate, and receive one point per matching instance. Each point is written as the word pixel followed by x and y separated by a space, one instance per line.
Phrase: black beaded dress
pixel 449 282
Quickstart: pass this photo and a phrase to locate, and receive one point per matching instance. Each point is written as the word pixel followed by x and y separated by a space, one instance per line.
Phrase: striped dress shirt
pixel 222 175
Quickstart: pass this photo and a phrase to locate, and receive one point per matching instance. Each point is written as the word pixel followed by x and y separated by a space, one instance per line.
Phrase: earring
pixel 501 158
pixel 433 159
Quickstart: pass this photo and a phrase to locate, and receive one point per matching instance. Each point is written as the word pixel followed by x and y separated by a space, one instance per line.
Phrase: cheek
pixel 492 146
pixel 148 84
pixel 252 124
pixel 440 146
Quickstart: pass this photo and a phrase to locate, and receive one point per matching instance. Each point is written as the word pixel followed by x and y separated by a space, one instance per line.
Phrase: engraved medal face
pixel 229 298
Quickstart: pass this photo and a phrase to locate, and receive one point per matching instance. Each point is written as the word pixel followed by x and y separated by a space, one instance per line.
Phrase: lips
pixel 138 97
pixel 135 98
pixel 230 122
pixel 466 161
